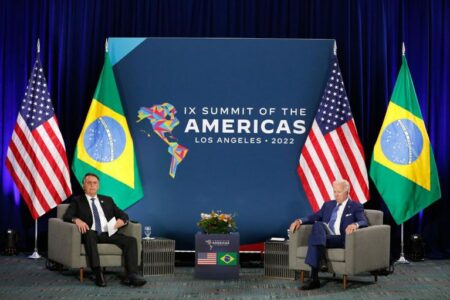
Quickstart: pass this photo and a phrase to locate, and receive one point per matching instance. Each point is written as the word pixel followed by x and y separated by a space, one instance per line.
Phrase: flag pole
pixel 402 259
pixel 35 254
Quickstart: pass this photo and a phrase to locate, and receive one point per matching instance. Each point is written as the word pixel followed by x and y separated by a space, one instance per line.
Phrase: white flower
pixel 205 216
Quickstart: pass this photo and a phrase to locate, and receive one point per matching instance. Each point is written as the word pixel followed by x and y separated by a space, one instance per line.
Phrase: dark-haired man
pixel 90 213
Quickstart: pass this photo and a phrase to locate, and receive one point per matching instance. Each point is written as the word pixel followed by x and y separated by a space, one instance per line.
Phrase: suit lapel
pixel 87 208
pixel 347 210
pixel 104 206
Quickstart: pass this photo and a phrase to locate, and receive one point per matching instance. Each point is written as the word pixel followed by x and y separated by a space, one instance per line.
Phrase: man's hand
pixel 119 223
pixel 81 225
pixel 351 228
pixel 295 225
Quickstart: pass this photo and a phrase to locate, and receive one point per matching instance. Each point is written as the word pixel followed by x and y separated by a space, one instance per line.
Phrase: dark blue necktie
pixel 333 218
pixel 97 223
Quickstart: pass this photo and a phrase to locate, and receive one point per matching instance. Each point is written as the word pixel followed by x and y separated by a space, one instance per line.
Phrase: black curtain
pixel 369 35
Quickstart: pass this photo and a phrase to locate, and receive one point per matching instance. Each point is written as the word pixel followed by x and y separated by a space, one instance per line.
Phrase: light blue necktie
pixel 333 218
pixel 97 223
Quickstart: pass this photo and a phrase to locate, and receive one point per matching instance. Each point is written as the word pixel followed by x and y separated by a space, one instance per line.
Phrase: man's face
pixel 90 185
pixel 340 194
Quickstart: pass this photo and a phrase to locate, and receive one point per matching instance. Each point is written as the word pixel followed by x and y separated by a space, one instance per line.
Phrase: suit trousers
pixel 318 241
pixel 128 245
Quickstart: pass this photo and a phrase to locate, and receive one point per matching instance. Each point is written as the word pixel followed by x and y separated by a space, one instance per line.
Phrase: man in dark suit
pixel 331 223
pixel 91 213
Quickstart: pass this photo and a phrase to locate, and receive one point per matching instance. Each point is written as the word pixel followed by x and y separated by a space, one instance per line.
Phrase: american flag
pixel 332 149
pixel 207 258
pixel 36 157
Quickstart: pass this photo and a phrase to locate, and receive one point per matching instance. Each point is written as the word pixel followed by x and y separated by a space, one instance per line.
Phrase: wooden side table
pixel 158 256
pixel 276 260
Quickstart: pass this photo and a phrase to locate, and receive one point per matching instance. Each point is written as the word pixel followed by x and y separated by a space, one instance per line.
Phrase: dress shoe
pixel 323 266
pixel 311 285
pixel 100 279
pixel 134 280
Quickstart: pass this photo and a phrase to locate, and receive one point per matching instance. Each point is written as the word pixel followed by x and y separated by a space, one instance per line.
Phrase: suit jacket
pixel 353 213
pixel 79 208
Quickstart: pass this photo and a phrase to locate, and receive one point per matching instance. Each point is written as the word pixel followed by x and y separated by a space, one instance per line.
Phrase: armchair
pixel 367 249
pixel 65 247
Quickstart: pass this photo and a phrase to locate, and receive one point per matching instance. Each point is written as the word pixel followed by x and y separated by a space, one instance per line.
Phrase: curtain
pixel 369 35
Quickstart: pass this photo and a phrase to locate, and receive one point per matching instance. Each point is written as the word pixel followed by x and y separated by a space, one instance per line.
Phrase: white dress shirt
pixel 339 213
pixel 101 214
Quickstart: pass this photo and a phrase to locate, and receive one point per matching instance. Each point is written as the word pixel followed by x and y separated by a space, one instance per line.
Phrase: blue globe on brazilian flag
pixel 227 258
pixel 105 146
pixel 403 166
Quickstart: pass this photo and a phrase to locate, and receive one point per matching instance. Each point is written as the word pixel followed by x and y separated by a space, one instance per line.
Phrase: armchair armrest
pixel 134 230
pixel 298 239
pixel 367 249
pixel 64 243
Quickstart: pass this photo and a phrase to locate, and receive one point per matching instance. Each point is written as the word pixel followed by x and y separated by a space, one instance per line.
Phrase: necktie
pixel 97 223
pixel 333 218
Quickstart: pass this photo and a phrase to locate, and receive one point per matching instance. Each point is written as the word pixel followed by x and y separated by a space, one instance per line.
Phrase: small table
pixel 158 256
pixel 276 260
pixel 217 256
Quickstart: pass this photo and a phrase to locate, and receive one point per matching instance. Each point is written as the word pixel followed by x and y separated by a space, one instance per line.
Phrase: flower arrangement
pixel 216 222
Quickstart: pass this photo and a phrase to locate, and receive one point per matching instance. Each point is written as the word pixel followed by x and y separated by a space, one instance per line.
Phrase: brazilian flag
pixel 105 146
pixel 403 166
pixel 227 259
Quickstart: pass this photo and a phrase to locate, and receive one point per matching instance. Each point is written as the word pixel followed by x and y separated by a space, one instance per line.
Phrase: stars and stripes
pixel 206 258
pixel 36 157
pixel 332 149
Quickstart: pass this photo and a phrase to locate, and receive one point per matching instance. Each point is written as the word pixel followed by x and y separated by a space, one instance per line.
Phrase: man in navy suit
pixel 331 223
pixel 90 213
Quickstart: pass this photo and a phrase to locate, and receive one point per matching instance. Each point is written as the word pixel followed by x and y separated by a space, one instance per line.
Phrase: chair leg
pixel 345 281
pixel 376 278
pixel 302 276
pixel 81 274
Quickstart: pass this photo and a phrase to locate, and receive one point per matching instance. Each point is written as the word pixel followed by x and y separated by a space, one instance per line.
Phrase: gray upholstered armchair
pixel 65 248
pixel 367 249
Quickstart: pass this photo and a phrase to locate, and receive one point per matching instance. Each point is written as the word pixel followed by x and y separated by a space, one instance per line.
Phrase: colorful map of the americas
pixel 163 120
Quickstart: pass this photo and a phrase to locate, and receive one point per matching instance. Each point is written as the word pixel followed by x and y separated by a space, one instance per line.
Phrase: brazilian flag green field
pixel 105 146
pixel 403 166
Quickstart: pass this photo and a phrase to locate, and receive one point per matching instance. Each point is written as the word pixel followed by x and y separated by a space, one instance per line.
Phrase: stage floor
pixel 23 278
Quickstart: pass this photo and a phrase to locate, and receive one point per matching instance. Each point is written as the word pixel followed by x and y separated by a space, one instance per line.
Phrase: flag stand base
pixel 402 260
pixel 35 255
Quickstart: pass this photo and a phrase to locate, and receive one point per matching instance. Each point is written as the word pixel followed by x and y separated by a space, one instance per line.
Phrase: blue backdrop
pixel 368 35
pixel 273 86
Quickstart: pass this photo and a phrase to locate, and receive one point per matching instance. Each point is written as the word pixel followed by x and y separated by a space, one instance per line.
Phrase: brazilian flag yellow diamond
pixel 403 145
pixel 105 143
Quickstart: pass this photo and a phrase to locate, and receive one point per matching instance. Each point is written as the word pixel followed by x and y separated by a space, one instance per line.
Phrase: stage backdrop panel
pixel 218 124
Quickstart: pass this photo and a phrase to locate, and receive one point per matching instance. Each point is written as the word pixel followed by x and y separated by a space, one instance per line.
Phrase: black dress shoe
pixel 134 280
pixel 100 279
pixel 323 266
pixel 311 285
